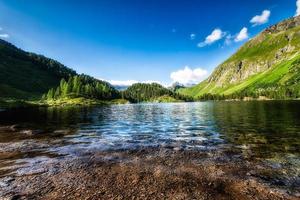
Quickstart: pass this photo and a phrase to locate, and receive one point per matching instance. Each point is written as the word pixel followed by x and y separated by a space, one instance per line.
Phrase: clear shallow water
pixel 259 130
pixel 148 125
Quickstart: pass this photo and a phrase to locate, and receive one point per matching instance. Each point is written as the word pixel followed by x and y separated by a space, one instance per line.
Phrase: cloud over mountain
pixel 216 35
pixel 189 76
pixel 242 35
pixel 261 19
pixel 298 8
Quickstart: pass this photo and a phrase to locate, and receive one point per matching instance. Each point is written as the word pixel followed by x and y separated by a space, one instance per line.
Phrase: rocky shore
pixel 149 173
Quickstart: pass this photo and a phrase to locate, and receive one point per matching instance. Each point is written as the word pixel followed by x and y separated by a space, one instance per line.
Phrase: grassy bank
pixel 14 103
pixel 80 101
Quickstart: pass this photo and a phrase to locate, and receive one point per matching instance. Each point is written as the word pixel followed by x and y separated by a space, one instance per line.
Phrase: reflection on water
pixel 265 128
pixel 46 117
pixel 259 130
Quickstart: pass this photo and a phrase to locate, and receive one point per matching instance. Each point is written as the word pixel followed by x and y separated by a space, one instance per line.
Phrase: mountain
pixel 27 75
pixel 268 65
pixel 143 92
pixel 121 87
pixel 176 86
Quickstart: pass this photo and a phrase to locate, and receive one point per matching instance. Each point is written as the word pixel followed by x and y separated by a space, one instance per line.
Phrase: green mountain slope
pixel 26 75
pixel 268 65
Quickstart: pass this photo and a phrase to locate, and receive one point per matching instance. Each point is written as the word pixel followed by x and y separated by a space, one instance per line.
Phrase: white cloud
pixel 216 35
pixel 298 8
pixel 242 35
pixel 192 36
pixel 122 83
pixel 189 76
pixel 261 19
pixel 4 35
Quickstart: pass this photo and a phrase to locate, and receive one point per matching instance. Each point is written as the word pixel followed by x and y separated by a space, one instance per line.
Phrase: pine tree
pixel 50 94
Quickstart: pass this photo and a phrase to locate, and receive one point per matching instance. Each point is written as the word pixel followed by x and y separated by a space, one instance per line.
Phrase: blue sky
pixel 153 40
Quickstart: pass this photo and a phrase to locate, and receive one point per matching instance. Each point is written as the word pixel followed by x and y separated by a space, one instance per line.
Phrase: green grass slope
pixel 26 75
pixel 266 65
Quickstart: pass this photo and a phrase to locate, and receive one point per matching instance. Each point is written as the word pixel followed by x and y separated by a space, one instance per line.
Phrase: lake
pixel 264 133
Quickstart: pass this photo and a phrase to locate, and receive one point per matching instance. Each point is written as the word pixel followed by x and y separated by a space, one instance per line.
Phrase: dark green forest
pixel 142 92
pixel 91 88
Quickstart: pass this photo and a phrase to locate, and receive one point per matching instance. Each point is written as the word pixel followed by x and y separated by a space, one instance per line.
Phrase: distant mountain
pixel 26 75
pixel 121 87
pixel 268 65
pixel 176 86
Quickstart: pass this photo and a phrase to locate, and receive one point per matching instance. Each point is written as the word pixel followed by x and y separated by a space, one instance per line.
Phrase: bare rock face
pixel 284 25
pixel 281 52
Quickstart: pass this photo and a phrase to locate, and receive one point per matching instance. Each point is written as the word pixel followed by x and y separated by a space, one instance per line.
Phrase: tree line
pixel 88 87
pixel 142 92
pixel 82 86
pixel 279 93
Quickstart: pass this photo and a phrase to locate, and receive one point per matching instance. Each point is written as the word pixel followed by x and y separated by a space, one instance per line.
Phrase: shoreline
pixel 14 104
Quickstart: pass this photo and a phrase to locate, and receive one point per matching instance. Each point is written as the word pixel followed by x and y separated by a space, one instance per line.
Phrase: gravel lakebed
pixel 146 173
